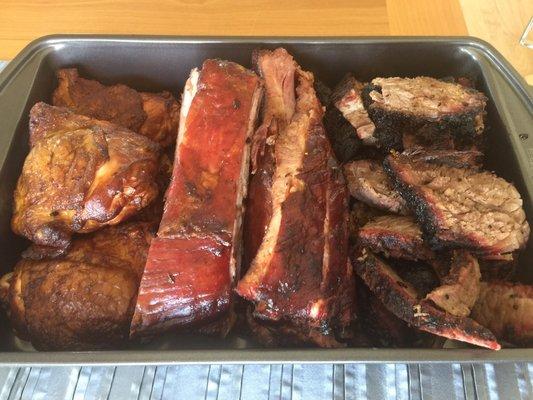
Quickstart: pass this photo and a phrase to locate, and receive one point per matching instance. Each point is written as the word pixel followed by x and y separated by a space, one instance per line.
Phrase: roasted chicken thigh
pixel 81 174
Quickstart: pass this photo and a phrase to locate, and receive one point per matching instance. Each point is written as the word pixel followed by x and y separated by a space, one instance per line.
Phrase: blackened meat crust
pixel 400 298
pixel 457 130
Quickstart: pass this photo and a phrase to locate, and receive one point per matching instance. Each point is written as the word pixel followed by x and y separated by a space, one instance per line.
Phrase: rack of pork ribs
pixel 292 214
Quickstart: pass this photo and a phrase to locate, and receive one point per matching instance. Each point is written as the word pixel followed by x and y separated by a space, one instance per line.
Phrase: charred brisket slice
pixel 347 99
pixel 507 310
pixel 300 280
pixel 460 288
pixel 323 92
pixel 368 183
pixel 458 206
pixel 437 114
pixel 501 269
pixel 341 134
pixel 401 299
pixel 380 326
pixel 397 236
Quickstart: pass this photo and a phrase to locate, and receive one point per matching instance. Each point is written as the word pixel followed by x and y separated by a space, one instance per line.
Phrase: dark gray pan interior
pixel 153 64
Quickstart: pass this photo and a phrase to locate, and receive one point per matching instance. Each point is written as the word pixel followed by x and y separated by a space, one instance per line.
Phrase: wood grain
pixel 425 17
pixel 501 23
pixel 22 21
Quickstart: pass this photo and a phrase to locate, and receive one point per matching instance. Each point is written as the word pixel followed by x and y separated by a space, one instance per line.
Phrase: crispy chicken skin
pixel 80 175
pixel 154 115
pixel 83 300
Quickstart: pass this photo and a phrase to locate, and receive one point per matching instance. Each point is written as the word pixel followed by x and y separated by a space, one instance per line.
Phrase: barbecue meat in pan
pixel 154 115
pixel 506 309
pixel 424 111
pixel 370 184
pixel 83 300
pixel 380 326
pixel 195 259
pixel 397 236
pixel 458 206
pixel 299 279
pixel 402 299
pixel 347 99
pixel 460 288
pixel 80 175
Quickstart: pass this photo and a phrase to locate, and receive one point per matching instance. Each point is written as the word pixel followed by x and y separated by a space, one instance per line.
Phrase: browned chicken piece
pixel 80 175
pixel 507 310
pixel 155 115
pixel 83 300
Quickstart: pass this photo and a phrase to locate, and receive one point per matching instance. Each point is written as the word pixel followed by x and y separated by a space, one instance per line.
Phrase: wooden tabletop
pixel 499 22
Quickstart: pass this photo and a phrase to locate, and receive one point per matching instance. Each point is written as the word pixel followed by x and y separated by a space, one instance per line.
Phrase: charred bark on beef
pixel 457 205
pixel 401 298
pixel 432 113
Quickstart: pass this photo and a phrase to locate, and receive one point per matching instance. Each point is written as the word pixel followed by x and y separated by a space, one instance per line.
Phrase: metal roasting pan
pixel 156 63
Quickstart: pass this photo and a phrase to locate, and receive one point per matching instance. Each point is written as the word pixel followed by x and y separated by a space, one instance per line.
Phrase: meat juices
pixel 299 280
pixel 193 263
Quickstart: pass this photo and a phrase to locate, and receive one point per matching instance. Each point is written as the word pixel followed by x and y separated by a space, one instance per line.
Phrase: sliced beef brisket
pixel 507 310
pixel 437 114
pixel 401 298
pixel 460 288
pixel 457 205
pixel 397 236
pixel 368 183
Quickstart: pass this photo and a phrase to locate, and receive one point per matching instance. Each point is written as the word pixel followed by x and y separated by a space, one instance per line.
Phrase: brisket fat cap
pixel 457 205
pixel 297 277
pixel 402 300
pixel 194 261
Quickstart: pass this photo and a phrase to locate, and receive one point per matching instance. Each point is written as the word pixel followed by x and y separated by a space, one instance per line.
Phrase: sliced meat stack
pixel 457 205
pixel 299 280
pixel 403 300
pixel 194 261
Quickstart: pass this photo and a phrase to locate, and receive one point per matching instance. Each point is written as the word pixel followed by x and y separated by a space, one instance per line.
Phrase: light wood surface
pixel 499 22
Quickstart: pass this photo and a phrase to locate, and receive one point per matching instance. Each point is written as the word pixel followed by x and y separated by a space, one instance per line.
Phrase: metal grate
pixel 504 381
